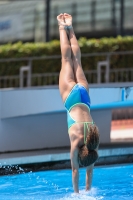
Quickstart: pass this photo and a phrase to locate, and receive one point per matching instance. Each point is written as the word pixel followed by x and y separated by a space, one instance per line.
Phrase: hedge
pixel 20 50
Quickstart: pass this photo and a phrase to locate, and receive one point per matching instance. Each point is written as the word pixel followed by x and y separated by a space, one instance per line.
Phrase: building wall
pixel 26 20
pixel 35 118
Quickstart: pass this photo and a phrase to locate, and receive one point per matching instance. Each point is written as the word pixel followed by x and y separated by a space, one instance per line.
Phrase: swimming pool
pixel 109 183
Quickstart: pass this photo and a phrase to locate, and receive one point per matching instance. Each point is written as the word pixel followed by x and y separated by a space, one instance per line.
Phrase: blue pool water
pixel 109 183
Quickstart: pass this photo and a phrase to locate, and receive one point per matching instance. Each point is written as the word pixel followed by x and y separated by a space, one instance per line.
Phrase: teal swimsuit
pixel 78 95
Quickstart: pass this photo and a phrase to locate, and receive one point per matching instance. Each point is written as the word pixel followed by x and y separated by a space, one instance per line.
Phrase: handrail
pixel 59 56
pixel 108 53
pixel 117 104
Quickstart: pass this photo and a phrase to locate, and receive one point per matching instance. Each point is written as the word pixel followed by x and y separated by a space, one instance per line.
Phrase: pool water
pixel 109 183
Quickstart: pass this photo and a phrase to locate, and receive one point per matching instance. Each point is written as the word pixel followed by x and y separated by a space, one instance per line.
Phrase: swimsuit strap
pixel 85 129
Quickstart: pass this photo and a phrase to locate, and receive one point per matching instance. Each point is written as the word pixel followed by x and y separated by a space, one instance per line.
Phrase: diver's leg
pixel 76 53
pixel 66 78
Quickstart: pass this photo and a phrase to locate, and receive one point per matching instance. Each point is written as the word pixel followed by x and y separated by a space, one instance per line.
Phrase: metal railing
pixel 93 76
pixel 9 81
pixel 116 75
pixel 45 79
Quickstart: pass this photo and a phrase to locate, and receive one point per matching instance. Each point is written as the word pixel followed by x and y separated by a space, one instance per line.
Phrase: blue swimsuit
pixel 78 95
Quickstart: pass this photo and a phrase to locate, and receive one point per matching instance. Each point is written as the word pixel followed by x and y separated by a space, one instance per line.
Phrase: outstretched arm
pixel 89 175
pixel 75 168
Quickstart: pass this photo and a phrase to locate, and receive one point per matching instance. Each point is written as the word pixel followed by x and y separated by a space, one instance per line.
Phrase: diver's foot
pixel 68 20
pixel 61 21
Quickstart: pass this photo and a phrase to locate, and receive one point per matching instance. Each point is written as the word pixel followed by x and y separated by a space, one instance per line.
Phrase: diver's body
pixel 73 88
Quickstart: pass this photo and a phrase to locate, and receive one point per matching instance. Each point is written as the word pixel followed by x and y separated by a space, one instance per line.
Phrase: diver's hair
pixel 87 153
pixel 87 157
pixel 92 139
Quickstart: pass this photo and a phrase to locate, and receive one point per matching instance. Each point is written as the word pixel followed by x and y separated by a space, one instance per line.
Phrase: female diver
pixel 73 86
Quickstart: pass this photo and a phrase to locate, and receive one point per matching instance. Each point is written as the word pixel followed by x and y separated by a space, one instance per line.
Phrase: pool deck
pixel 55 155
